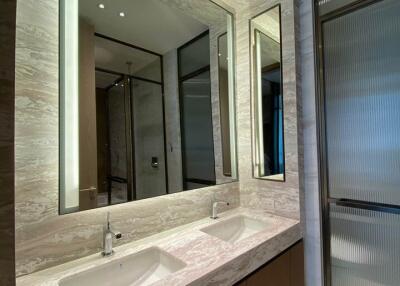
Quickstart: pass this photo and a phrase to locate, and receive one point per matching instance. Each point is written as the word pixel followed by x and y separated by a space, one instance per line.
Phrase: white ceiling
pixel 150 24
pixel 269 24
pixel 114 56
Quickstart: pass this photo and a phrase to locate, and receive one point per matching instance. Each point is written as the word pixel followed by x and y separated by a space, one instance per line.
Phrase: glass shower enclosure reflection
pixel 112 145
pixel 130 140
pixel 121 109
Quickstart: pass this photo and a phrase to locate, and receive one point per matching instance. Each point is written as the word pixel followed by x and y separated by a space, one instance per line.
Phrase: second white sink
pixel 236 228
pixel 142 268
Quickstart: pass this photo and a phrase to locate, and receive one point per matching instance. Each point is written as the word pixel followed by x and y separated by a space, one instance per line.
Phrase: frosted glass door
pixel 361 54
pixel 365 247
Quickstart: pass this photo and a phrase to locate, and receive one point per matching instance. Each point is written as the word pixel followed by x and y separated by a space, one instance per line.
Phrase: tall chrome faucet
pixel 108 235
pixel 215 203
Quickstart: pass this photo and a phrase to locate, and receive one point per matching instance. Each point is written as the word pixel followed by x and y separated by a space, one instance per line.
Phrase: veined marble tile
pixel 209 260
pixel 43 237
pixel 312 219
pixel 277 197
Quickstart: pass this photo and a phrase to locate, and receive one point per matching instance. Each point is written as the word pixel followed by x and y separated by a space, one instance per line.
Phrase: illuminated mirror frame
pixel 69 117
pixel 69 97
pixel 256 99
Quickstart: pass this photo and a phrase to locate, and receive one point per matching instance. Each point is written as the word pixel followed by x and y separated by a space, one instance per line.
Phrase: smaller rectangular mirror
pixel 268 130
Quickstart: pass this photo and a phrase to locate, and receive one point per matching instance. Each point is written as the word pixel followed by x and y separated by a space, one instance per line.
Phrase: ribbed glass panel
pixel 327 6
pixel 362 97
pixel 365 248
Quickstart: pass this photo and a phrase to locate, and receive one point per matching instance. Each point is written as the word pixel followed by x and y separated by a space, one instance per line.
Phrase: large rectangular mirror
pixel 146 100
pixel 269 156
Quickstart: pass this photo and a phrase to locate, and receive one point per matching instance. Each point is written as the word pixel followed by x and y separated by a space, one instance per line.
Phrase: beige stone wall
pixel 278 197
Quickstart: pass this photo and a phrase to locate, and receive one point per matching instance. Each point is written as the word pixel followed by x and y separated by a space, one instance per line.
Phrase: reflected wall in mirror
pixel 147 100
pixel 268 129
pixel 223 82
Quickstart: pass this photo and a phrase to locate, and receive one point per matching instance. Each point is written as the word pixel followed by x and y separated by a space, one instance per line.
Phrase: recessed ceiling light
pixel 101 6
pixel 122 14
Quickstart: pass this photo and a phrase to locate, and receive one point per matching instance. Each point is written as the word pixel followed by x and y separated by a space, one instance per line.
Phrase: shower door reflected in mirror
pixel 112 143
pixel 269 162
pixel 146 103
pixel 126 107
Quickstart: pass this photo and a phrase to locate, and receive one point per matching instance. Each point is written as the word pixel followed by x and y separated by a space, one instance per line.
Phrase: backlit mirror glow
pixel 268 128
pixel 147 100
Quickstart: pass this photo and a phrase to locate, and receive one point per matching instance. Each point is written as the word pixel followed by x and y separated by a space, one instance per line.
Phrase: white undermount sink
pixel 236 228
pixel 142 268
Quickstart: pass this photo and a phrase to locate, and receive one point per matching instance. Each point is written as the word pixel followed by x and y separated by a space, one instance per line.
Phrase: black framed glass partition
pixel 130 159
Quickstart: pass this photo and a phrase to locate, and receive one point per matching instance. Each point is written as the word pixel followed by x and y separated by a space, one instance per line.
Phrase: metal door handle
pixel 372 206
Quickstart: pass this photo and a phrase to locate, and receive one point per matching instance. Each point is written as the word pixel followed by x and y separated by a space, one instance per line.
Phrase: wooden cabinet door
pixel 285 270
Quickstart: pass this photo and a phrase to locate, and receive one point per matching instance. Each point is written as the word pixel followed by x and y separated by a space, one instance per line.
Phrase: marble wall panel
pixel 301 187
pixel 278 197
pixel 43 238
pixel 7 75
pixel 312 221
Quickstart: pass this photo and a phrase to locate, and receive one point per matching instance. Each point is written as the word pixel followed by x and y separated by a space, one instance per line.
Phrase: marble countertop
pixel 210 261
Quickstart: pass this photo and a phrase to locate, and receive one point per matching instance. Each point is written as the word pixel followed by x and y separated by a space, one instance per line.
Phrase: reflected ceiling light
pixel 121 14
pixel 101 6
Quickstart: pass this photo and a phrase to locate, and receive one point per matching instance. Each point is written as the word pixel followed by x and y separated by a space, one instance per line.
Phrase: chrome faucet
pixel 108 235
pixel 214 214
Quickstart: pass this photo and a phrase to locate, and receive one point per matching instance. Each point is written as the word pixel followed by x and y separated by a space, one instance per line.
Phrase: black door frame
pixel 131 173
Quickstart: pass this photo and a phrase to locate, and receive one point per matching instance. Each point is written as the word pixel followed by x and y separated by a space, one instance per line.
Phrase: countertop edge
pixel 229 264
